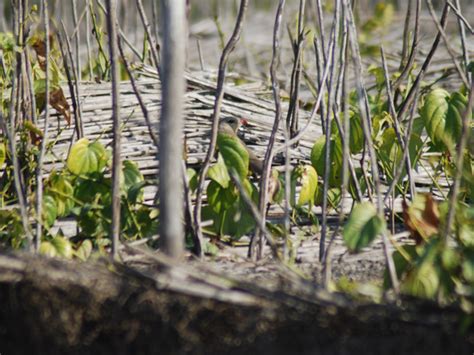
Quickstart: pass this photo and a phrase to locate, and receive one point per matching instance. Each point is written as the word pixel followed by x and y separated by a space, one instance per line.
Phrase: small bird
pixel 230 125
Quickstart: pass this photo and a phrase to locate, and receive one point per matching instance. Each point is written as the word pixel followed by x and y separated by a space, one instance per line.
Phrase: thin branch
pixel 215 120
pixel 404 107
pixel 365 118
pixel 44 141
pixel 116 145
pixel 267 162
pixel 461 73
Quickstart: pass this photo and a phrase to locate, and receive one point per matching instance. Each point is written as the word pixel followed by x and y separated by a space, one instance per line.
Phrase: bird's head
pixel 233 122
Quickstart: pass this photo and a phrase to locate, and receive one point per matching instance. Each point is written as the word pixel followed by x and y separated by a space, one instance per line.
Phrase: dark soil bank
pixel 58 307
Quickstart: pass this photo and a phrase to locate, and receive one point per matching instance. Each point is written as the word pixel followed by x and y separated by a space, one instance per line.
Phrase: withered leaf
pixel 421 218
pixel 59 102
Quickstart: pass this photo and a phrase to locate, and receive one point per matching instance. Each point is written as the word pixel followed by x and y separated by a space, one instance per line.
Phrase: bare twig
pixel 457 11
pixel 215 119
pixel 259 219
pixel 150 37
pixel 461 73
pixel 136 90
pixel 365 118
pixel 44 141
pixel 267 163
pixel 293 109
pixel 75 92
pixel 462 32
pixel 70 83
pixel 314 111
pixel 404 107
pixel 116 147
pixel 345 134
pixel 327 158
pixel 406 68
pixel 404 144
pixel 10 132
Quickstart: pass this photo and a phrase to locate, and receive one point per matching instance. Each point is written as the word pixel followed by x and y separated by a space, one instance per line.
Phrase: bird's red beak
pixel 244 122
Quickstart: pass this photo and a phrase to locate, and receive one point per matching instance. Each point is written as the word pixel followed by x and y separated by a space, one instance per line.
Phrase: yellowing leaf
pixel 86 157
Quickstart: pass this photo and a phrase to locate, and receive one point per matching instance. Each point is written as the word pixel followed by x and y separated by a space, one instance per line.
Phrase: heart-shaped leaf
pixel 234 153
pixel 50 210
pixel 60 187
pixel 86 157
pixel 132 183
pixel 84 250
pixel 318 154
pixel 58 246
pixel 442 114
pixel 363 226
pixel 307 178
pixel 218 172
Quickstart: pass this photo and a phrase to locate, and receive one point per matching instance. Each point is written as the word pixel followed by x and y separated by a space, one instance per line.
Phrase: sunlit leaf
pixel 50 210
pixel 442 114
pixel 84 250
pixel 61 189
pixel 363 226
pixel 63 246
pixel 306 177
pixel 58 246
pixel 86 157
pixel 218 172
pixel 3 153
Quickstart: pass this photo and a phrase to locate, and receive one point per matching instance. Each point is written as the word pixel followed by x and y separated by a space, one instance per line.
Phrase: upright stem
pixel 234 38
pixel 116 145
pixel 171 145
pixel 39 168
pixel 263 197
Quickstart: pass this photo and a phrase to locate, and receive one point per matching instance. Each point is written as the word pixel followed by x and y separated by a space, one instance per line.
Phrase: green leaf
pixel 3 153
pixel 132 183
pixel 210 249
pixel 468 270
pixel 318 153
pixel 84 250
pixel 192 177
pixel 422 281
pixel 219 198
pixel 58 246
pixel 334 197
pixel 442 115
pixel 234 153
pixel 63 247
pixel 218 172
pixel 46 248
pixel 86 157
pixel 363 226
pixel 50 210
pixel 307 178
pixel 60 187
pixel 356 141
